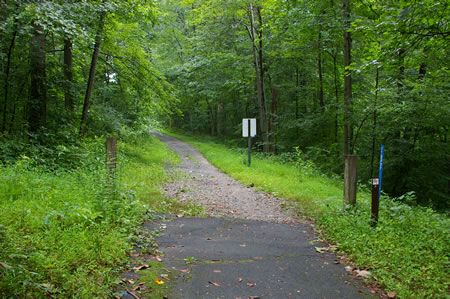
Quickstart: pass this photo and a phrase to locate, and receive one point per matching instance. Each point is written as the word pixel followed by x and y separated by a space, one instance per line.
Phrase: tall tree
pixel 37 105
pixel 348 105
pixel 91 79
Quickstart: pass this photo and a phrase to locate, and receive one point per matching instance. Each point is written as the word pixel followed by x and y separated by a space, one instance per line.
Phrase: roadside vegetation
pixel 406 253
pixel 61 233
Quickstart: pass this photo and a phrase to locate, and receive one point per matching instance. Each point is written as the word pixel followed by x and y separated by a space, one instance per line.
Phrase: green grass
pixel 407 252
pixel 62 234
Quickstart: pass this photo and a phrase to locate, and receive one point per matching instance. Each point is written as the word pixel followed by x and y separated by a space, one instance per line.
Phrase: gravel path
pixel 197 180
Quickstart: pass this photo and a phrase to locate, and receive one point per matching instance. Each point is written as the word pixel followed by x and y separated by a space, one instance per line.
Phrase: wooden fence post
pixel 350 179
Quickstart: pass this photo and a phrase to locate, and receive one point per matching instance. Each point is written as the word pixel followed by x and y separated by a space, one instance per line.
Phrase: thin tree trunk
pixel 348 109
pixel 6 83
pixel 68 76
pixel 319 67
pixel 259 70
pixel 211 117
pixel 90 85
pixel 374 131
pixel 297 85
pixel 272 120
pixel 38 89
pixel 336 94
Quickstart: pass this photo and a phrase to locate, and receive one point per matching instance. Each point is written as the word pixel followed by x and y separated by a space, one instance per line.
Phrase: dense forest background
pixel 327 78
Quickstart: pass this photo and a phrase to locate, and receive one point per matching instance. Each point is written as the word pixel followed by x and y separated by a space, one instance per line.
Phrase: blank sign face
pixel 245 122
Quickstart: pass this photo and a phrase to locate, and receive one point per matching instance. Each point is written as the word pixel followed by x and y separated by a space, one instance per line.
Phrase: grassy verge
pixel 61 234
pixel 407 252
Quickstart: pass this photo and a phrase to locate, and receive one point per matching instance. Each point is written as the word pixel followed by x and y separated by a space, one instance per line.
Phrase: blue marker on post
pixel 381 170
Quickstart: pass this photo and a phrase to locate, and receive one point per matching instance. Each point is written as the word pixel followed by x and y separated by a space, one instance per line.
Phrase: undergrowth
pixel 407 252
pixel 61 233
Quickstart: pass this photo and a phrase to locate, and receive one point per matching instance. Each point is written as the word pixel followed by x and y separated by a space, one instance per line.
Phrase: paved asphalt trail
pixel 232 257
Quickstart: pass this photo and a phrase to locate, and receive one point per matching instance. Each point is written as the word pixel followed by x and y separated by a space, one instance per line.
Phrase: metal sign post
pixel 249 130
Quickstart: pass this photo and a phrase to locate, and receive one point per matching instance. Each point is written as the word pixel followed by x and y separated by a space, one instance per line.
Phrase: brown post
pixel 111 159
pixel 375 201
pixel 350 179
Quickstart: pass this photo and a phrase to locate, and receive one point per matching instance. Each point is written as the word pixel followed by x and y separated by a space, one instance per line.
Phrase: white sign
pixel 375 181
pixel 245 122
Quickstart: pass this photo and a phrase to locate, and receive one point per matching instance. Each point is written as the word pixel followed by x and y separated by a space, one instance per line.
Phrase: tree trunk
pixel 348 109
pixel 297 85
pixel 68 76
pixel 37 105
pixel 374 132
pixel 272 120
pixel 336 95
pixel 220 107
pixel 259 70
pixel 90 85
pixel 319 68
pixel 6 83
pixel 212 126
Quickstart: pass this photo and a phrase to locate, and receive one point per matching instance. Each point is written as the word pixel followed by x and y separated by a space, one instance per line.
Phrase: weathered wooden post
pixel 350 179
pixel 111 162
pixel 375 201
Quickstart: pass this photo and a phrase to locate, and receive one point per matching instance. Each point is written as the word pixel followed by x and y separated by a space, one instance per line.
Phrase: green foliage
pixel 407 251
pixel 61 233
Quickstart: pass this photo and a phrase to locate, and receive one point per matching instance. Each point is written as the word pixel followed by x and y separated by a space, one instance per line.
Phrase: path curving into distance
pixel 247 247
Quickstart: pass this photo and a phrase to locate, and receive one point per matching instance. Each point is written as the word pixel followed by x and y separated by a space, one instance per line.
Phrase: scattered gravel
pixel 197 180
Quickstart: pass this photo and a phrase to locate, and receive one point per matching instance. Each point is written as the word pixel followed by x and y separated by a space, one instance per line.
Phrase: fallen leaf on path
pixel 179 216
pixel 165 276
pixel 130 281
pixel 362 273
pixel 392 294
pixel 242 245
pixel 132 294
pixel 325 263
pixel 217 271
pixel 135 254
pixel 186 270
pixel 348 268
pixel 321 249
pixel 214 284
pixel 159 281
pixel 137 288
pixel 251 284
pixel 138 268
pixel 240 279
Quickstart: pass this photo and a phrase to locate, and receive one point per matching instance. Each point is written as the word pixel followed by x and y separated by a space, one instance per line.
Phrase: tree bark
pixel 336 95
pixel 348 105
pixel 319 67
pixel 272 120
pixel 6 83
pixel 68 76
pixel 37 105
pixel 91 79
pixel 374 130
pixel 259 70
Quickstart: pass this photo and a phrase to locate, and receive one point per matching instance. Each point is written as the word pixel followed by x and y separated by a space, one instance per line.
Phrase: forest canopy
pixel 326 77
